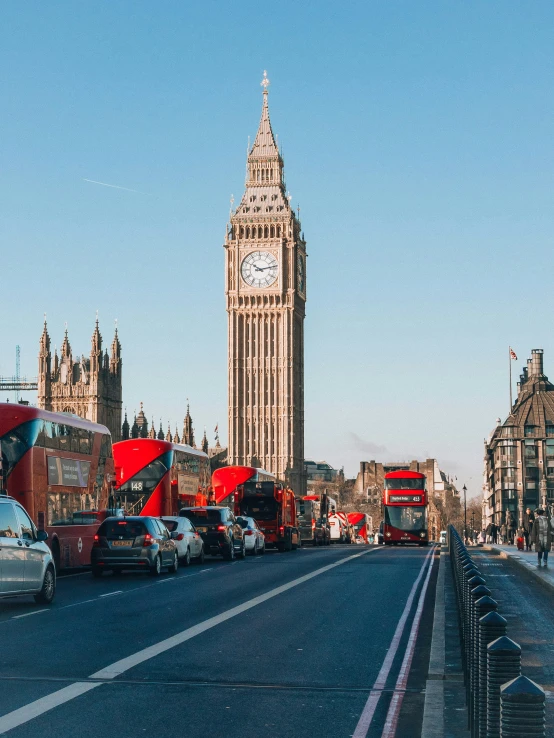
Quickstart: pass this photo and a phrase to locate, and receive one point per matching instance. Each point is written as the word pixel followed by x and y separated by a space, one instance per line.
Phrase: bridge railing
pixel 500 701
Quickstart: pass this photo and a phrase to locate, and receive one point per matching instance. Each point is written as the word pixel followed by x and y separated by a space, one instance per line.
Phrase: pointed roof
pixel 161 433
pixel 125 429
pixel 152 431
pixel 116 345
pixel 96 339
pixel 66 348
pixel 264 143
pixel 45 340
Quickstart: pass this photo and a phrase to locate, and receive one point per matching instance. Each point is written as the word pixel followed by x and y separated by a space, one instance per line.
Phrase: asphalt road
pixel 327 642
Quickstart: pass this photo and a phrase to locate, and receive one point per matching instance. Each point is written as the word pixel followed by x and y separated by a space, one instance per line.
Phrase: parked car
pixel 254 538
pixel 26 563
pixel 220 531
pixel 442 537
pixel 189 542
pixel 134 542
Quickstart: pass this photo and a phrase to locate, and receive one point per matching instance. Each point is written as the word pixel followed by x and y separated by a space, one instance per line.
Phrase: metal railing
pixel 500 701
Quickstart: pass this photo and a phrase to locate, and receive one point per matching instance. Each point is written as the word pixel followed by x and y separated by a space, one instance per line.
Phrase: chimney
pixel 536 363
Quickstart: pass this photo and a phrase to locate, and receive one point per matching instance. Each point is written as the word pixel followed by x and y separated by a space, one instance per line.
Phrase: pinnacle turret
pixel 125 429
pixel 188 432
pixel 66 348
pixel 160 433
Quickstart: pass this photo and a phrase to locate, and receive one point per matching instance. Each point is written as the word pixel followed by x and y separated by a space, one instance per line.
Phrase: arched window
pixel 241 233
pixel 272 231
pixel 247 231
pixel 266 232
pixel 278 231
pixel 260 232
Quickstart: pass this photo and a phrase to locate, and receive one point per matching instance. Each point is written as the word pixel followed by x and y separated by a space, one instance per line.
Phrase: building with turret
pixel 90 387
pixel 519 453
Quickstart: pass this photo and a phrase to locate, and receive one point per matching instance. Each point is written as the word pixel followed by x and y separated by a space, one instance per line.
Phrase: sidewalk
pixel 526 560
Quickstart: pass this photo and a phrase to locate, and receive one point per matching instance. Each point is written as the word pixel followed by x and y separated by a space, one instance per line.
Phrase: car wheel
pixel 48 589
pixel 230 554
pixel 201 556
pixel 172 568
pixel 156 568
pixel 254 551
pixel 186 558
pixel 242 554
pixel 97 572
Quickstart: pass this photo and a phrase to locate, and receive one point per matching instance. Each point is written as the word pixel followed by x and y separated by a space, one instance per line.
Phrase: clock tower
pixel 265 288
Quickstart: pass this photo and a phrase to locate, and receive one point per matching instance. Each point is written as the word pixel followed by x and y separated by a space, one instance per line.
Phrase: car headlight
pixel 423 534
pixel 388 534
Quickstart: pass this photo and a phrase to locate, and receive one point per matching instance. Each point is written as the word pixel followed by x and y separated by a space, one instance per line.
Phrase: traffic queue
pixel 70 499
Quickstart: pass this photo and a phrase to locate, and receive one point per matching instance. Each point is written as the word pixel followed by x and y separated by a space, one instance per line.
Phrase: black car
pixel 133 542
pixel 220 531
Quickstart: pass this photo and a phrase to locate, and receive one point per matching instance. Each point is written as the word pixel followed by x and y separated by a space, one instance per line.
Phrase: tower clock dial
pixel 259 269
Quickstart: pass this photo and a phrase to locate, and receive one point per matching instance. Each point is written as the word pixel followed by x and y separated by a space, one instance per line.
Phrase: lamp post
pixel 464 488
pixel 473 523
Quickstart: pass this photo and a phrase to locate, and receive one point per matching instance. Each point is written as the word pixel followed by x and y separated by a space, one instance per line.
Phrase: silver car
pixel 189 542
pixel 26 564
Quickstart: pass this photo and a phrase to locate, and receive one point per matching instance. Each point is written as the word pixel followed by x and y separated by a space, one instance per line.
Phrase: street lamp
pixel 464 489
pixel 472 523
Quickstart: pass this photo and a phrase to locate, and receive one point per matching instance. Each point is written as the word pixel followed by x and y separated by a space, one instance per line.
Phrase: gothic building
pixel 88 387
pixel 265 268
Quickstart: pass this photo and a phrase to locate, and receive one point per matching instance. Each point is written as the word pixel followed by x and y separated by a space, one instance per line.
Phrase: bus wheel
pixel 56 554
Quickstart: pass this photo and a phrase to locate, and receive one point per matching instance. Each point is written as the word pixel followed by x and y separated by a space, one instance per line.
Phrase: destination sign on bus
pixel 404 498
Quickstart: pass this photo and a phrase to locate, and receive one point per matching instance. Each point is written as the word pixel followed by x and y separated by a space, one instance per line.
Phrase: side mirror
pixel 42 535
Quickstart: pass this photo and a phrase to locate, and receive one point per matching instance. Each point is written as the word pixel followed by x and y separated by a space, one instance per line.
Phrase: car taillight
pixel 148 540
pixel 248 532
pixel 96 540
pixel 180 537
pixel 221 527
pixel 282 528
pixel 313 524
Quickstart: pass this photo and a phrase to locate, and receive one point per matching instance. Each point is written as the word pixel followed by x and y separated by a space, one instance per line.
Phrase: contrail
pixel 116 187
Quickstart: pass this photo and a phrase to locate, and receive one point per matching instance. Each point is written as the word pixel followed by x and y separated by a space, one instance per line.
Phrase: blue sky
pixel 418 143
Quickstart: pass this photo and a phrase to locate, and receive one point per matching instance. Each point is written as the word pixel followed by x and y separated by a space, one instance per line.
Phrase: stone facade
pixel 519 453
pixel 265 277
pixel 88 387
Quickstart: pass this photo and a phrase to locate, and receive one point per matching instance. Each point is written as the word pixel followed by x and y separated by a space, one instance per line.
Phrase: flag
pixel 513 354
pixel 216 430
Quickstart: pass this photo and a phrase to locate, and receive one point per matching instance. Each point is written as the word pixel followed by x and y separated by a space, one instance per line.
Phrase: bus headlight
pixel 388 534
pixel 422 534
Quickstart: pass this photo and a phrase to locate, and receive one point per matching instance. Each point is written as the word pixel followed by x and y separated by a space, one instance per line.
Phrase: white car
pixel 253 536
pixel 442 538
pixel 189 542
pixel 26 564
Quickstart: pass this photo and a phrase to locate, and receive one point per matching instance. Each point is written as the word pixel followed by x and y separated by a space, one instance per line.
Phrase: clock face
pixel 301 274
pixel 259 269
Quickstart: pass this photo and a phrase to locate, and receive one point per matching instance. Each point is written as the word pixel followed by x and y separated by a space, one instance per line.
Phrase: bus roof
pixel 151 445
pixel 12 415
pixel 228 478
pixel 404 474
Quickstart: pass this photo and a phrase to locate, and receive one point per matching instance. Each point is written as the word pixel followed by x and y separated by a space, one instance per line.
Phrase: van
pixel 442 537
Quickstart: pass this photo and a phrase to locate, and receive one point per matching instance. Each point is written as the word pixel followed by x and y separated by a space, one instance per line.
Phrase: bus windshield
pixel 140 487
pixel 401 483
pixel 18 441
pixel 406 518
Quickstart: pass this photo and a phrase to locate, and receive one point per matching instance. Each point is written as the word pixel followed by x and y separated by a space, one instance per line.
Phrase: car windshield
pixel 122 528
pixel 171 525
pixel 259 508
pixel 406 518
pixel 202 517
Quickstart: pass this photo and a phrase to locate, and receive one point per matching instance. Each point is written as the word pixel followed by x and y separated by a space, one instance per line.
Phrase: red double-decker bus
pixel 405 506
pixel 226 480
pixel 158 477
pixel 59 467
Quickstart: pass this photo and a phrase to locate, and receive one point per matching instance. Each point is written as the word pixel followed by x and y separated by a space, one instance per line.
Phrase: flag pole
pixel 510 363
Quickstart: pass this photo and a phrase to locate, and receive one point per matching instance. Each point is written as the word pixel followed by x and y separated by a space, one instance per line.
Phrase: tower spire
pixel 264 143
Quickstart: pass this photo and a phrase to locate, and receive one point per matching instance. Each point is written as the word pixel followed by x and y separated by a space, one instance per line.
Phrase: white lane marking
pixel 109 594
pixel 366 717
pixel 391 721
pixel 26 615
pixel 34 709
pixel 39 707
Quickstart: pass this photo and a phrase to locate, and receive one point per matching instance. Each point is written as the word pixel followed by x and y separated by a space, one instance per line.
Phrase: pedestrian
pixel 528 519
pixel 520 540
pixel 494 533
pixel 503 533
pixel 488 530
pixel 541 536
pixel 483 536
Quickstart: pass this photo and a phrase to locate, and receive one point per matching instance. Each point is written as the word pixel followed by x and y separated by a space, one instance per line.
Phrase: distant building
pixel 519 454
pixel 90 387
pixel 321 471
